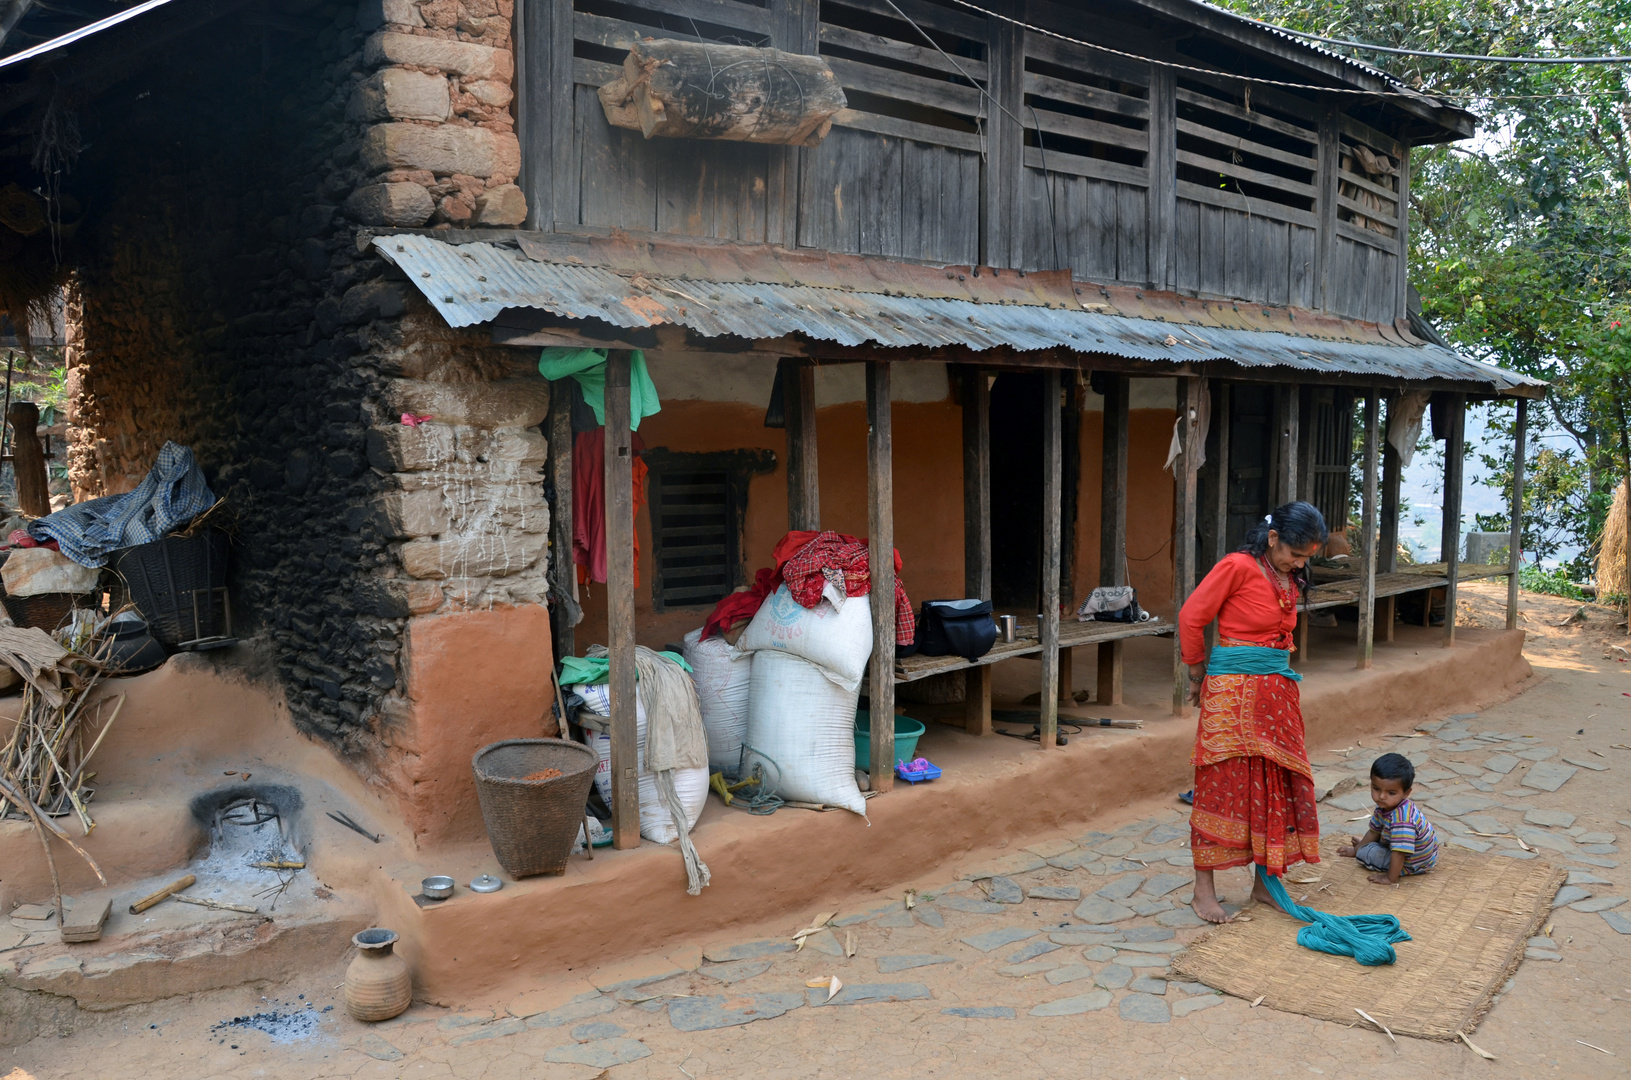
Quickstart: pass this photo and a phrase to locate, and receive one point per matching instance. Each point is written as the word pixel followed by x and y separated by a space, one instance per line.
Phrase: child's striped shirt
pixel 1406 829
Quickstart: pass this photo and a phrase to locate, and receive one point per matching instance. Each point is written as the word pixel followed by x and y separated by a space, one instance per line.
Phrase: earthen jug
pixel 377 984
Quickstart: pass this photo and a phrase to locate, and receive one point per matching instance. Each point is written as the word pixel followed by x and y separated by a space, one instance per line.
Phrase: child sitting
pixel 1400 839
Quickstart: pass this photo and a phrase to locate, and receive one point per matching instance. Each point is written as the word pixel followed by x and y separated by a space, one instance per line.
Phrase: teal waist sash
pixel 1251 660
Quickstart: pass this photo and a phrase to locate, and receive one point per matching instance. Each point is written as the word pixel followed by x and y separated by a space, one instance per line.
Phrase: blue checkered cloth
pixel 173 493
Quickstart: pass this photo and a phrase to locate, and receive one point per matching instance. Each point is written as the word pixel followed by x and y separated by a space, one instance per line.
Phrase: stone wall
pixel 438 139
pixel 227 298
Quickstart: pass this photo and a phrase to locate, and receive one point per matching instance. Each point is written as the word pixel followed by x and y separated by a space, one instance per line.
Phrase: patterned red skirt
pixel 1254 798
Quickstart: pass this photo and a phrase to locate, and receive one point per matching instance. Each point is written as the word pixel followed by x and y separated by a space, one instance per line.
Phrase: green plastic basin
pixel 907 732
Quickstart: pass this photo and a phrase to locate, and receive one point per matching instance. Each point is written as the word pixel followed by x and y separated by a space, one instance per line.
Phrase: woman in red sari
pixel 1254 789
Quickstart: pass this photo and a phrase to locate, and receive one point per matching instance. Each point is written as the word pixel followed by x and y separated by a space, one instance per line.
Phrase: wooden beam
pixel 803 470
pixel 976 484
pixel 1002 220
pixel 1367 537
pixel 1326 204
pixel 1052 490
pixel 1183 530
pixel 1288 439
pixel 619 482
pixel 880 491
pixel 1450 536
pixel 1220 506
pixel 1113 522
pixel 562 570
pixel 977 699
pixel 1163 173
pixel 1514 544
pixel 1387 555
pixel 1401 280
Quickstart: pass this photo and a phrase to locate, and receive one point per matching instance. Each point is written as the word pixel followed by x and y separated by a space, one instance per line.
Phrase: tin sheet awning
pixel 762 293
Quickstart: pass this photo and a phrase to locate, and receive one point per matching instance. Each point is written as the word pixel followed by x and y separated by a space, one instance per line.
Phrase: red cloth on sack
pixel 741 605
pixel 807 561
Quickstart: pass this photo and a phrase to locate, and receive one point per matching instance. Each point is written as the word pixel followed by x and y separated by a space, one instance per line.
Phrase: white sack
pixel 722 673
pixel 837 640
pixel 692 784
pixel 40 570
pixel 801 730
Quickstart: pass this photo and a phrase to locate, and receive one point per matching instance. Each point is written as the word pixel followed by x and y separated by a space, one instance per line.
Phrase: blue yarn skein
pixel 1367 938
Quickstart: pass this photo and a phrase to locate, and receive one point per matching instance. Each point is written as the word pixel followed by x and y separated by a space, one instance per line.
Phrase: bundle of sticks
pixel 60 723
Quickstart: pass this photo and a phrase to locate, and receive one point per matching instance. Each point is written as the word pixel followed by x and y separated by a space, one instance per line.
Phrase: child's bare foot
pixel 1382 879
pixel 1206 903
pixel 1260 893
pixel 1345 851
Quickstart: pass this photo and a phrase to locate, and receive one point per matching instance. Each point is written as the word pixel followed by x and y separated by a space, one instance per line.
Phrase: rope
pixel 1367 938
pixel 765 800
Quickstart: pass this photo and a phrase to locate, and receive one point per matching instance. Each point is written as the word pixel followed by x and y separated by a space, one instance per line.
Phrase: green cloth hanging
pixel 1367 938
pixel 1251 660
pixel 588 367
pixel 594 670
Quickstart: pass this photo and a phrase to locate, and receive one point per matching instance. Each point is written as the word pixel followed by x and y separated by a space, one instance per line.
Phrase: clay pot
pixel 377 984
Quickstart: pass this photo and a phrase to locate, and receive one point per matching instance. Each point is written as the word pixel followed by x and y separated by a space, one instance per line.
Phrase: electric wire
pixel 1430 54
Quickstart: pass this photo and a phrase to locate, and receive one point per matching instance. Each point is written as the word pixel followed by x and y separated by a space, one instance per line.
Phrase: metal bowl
pixel 439 887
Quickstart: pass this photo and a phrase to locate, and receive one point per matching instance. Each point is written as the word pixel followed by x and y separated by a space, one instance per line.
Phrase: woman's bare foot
pixel 1260 893
pixel 1205 903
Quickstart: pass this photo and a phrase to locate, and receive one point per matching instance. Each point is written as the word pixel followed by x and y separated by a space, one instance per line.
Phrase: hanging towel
pixel 172 494
pixel 589 503
pixel 588 367
pixel 1367 938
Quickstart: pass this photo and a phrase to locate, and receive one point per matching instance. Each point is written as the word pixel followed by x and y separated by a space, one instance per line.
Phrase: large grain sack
pixel 837 640
pixel 691 784
pixel 722 674
pixel 801 731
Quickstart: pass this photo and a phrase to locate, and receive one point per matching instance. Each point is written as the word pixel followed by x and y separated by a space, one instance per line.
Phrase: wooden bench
pixel 977 697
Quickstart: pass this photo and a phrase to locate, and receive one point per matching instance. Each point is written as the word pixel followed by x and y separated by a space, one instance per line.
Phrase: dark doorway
pixel 1016 490
pixel 1251 457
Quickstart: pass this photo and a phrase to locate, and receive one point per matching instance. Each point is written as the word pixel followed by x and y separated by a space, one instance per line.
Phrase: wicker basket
pixel 178 584
pixel 532 824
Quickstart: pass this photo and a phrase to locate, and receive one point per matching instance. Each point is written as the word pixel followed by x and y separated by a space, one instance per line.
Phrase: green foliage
pixel 1520 239
pixel 1554 582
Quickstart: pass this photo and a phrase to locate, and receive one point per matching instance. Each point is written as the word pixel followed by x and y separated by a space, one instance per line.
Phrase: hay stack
pixel 1611 549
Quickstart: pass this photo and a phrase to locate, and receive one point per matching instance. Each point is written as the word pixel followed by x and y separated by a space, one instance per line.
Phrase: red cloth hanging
pixel 589 504
pixel 741 605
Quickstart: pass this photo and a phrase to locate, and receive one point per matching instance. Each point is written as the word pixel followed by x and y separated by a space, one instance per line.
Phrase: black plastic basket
pixel 179 585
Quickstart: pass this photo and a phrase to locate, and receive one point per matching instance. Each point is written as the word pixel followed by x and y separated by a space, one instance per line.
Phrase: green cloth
pixel 588 366
pixel 1251 660
pixel 594 670
pixel 1367 938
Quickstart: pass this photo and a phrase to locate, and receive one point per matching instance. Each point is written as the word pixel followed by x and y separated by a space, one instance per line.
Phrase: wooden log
pixel 1052 491
pixel 562 570
pixel 1387 555
pixel 218 905
pixel 976 484
pixel 28 459
pixel 1190 389
pixel 704 90
pixel 1514 544
pixel 1450 535
pixel 1113 523
pixel 619 483
pixel 184 882
pixel 1366 549
pixel 880 490
pixel 803 470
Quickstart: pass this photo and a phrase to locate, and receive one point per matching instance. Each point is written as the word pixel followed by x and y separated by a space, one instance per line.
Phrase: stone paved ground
pixel 1046 962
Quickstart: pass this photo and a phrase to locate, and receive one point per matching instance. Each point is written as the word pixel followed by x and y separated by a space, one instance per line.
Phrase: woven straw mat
pixel 1469 920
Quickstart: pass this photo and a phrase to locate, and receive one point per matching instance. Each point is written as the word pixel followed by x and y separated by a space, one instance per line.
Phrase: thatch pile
pixel 1611 549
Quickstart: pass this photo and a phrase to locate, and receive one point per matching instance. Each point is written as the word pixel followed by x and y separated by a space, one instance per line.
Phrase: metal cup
pixel 1009 626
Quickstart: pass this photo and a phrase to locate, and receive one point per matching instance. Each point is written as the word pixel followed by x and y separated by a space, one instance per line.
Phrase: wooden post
pixel 976 484
pixel 880 490
pixel 619 480
pixel 1387 555
pixel 1450 537
pixel 1052 491
pixel 803 474
pixel 561 567
pixel 1514 544
pixel 1190 389
pixel 28 459
pixel 1220 504
pixel 1113 522
pixel 1288 439
pixel 1367 536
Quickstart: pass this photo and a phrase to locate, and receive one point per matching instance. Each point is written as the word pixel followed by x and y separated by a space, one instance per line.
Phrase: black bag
pixel 956 628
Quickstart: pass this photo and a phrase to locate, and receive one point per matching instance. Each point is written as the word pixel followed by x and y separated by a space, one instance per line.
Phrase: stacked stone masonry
pixel 438 139
pixel 228 298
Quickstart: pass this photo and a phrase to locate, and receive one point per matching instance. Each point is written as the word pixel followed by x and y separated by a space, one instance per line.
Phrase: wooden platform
pixel 1333 591
pixel 1071 634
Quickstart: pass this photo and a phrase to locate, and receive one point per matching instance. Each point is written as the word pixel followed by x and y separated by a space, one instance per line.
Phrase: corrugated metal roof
pixel 709 289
